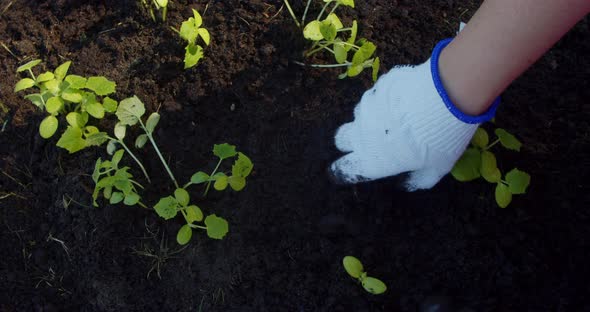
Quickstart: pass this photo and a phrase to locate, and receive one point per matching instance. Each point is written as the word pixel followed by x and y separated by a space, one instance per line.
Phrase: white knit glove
pixel 405 123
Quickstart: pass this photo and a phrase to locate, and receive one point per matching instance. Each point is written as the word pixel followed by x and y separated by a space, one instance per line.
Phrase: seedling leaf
pixel 503 195
pixel 24 84
pixel 375 68
pixel 237 183
pixel 46 76
pixel 194 213
pixel 101 85
pixel 194 53
pixel 508 140
pixel 72 140
pixel 481 138
pixel 62 70
pixel 242 166
pixel 198 18
pixel 96 138
pixel 117 158
pixel 374 286
pixel 216 227
pixel 181 196
pixel 340 52
pixel 353 266
pixel 36 99
pixel 76 119
pixel 188 31
pixel 116 197
pixel 28 66
pixel 120 130
pixel 364 53
pixel 166 207
pixel 130 110
pixel 141 140
pixel 333 18
pixel 489 168
pixel 75 81
pixel 221 183
pixel 184 235
pixel 328 30
pixel 354 70
pixel 204 33
pixel 53 86
pixel 72 95
pixel 111 147
pixel 48 127
pixel 467 167
pixel 95 110
pixel 224 150
pixel 518 181
pixel 109 104
pixel 312 31
pixel 131 199
pixel 199 177
pixel 54 105
pixel 349 3
pixel 152 121
pixel 352 39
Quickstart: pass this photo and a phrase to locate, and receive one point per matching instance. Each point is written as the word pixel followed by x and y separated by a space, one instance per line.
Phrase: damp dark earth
pixel 290 228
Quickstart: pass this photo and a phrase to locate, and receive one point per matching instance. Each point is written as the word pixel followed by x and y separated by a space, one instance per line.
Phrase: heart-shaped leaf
pixel 518 181
pixel 216 227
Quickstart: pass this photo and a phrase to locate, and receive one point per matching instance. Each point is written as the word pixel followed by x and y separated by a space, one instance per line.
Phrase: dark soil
pixel 290 227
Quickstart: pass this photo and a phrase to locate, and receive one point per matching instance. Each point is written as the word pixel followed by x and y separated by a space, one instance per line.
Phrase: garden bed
pixel 290 227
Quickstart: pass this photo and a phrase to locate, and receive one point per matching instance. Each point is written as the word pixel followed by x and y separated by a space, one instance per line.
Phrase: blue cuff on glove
pixel 489 114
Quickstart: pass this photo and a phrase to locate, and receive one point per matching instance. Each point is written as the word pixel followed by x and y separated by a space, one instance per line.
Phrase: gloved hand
pixel 405 123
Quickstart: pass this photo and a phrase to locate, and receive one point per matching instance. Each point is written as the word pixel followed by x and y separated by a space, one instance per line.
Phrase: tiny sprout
pixel 354 268
pixel 190 31
pixel 478 161
pixel 158 5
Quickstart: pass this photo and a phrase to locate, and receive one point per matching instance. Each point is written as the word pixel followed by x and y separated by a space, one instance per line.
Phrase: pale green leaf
pixel 375 67
pixel 108 192
pixel 333 18
pixel 53 86
pixel 221 183
pixel 373 285
pixel 46 76
pixel 242 166
pixel 188 31
pixel 503 195
pixel 48 127
pixel 120 131
pixel 72 140
pixel 353 266
pixel 508 140
pixel 54 105
pixel 216 227
pixel 518 181
pixel 224 150
pixel 489 168
pixel 111 147
pixel 481 138
pixel 130 111
pixel 95 110
pixel 109 105
pixel 312 31
pixel 192 56
pixel 237 183
pixel 193 213
pixel 96 139
pixel 24 84
pixel 349 3
pixel 340 52
pixel 62 70
pixel 199 177
pixel 351 40
pixel 364 53
pixel 131 199
pixel 166 207
pixel 152 121
pixel 354 70
pixel 116 197
pixel 72 95
pixel 117 157
pixel 204 33
pixel 198 18
pixel 162 3
pixel 182 197
pixel 28 66
pixel 77 120
pixel 75 81
pixel 141 140
pixel 184 235
pixel 100 85
pixel 328 30
pixel 467 167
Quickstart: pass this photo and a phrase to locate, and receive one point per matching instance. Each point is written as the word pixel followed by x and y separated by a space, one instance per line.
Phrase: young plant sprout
pixel 158 5
pixel 74 96
pixel 479 161
pixel 354 268
pixel 190 31
pixel 117 184
pixel 326 34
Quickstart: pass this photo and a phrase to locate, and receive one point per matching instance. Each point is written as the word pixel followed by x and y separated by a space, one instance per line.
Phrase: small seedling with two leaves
pixel 479 161
pixel 158 5
pixel 190 31
pixel 325 35
pixel 354 268
pixel 76 97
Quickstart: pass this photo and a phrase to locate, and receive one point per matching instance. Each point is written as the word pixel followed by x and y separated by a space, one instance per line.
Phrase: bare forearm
pixel 500 42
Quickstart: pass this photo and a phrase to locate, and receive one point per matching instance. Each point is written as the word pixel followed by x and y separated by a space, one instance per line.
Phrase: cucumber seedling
pixel 326 35
pixel 190 31
pixel 479 161
pixel 76 97
pixel 354 268
pixel 158 5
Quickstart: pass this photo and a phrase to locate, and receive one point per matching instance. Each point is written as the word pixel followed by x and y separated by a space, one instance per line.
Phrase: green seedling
pixel 325 33
pixel 158 5
pixel 116 184
pixel 478 161
pixel 190 31
pixel 73 96
pixel 354 268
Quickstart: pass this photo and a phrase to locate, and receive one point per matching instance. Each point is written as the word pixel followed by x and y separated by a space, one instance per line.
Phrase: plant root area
pixel 290 227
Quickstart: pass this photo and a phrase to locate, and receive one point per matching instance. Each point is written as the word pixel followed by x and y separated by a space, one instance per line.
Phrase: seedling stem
pixel 151 138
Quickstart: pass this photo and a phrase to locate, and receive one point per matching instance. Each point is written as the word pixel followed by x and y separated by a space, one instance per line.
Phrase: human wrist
pixel 467 104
